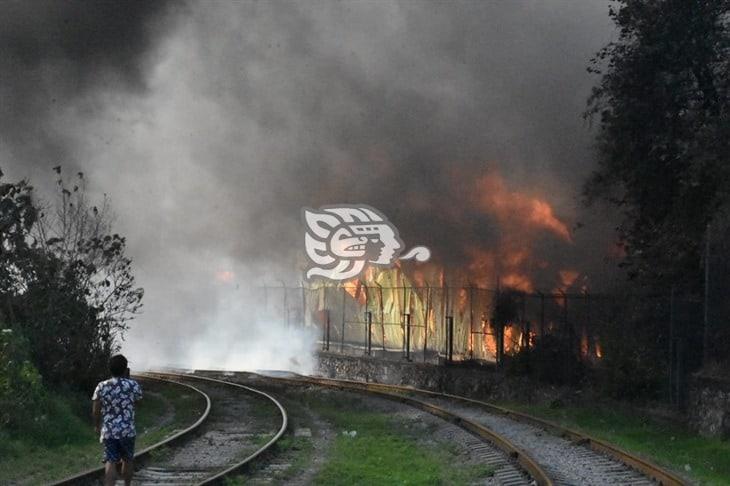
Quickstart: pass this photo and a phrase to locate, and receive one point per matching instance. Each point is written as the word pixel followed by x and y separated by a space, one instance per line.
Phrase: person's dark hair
pixel 118 365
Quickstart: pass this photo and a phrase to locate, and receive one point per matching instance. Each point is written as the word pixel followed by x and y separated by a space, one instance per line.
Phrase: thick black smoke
pixel 212 126
pixel 55 53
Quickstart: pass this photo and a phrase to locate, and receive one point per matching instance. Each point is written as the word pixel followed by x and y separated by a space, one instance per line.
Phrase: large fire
pixel 428 293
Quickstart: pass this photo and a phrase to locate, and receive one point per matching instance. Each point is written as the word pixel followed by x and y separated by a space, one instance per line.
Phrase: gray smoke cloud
pixel 210 127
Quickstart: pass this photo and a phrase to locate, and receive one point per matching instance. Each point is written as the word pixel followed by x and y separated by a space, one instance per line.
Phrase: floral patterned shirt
pixel 117 397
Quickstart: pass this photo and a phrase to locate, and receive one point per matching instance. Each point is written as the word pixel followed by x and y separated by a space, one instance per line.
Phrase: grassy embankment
pixel 387 449
pixel 706 461
pixel 64 442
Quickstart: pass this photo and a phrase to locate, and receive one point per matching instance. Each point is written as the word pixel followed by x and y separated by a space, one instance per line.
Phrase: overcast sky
pixel 211 124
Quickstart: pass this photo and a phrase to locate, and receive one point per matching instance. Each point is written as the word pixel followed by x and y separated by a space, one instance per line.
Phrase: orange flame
pixel 515 208
pixel 225 276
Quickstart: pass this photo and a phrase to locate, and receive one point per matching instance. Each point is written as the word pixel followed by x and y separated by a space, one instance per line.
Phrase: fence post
pixel 499 329
pixel 408 337
pixel 449 338
pixel 304 307
pixel 327 332
pixel 471 322
pixel 342 333
pixel 369 321
pixel 526 341
pixel 286 304
pixel 425 323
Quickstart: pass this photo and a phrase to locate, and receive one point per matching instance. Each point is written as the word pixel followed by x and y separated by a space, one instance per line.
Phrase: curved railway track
pixel 522 449
pixel 513 466
pixel 612 464
pixel 219 444
pixel 550 453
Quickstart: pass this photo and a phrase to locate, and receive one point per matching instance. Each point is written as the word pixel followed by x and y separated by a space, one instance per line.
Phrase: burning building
pixel 493 304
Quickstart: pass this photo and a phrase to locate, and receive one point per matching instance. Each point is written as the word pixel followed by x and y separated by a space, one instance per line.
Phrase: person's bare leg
pixel 127 471
pixel 110 474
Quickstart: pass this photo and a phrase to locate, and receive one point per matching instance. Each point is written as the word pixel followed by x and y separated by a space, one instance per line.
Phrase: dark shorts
pixel 116 450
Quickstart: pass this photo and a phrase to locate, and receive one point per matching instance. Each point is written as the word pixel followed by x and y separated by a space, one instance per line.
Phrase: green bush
pixel 31 415
pixel 550 360
pixel 22 397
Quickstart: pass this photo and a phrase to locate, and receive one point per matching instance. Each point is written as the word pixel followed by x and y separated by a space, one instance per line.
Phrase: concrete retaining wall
pixel 468 380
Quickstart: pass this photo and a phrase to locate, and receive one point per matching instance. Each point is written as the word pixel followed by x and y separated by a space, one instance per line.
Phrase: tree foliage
pixel 65 282
pixel 20 382
pixel 664 131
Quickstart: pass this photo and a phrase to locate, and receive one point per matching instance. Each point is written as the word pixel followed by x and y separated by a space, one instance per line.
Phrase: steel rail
pixel 94 473
pixel 647 468
pixel 219 477
pixel 527 463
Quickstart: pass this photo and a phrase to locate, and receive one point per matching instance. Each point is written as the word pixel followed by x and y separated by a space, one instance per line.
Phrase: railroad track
pixel 522 449
pixel 550 453
pixel 577 451
pixel 511 464
pixel 231 434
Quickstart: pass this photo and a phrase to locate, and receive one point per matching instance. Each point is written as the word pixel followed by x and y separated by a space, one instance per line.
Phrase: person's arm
pixel 96 409
pixel 96 414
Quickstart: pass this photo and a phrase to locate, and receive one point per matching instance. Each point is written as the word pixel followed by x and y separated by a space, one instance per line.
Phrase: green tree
pixel 17 216
pixel 79 235
pixel 664 132
pixel 66 283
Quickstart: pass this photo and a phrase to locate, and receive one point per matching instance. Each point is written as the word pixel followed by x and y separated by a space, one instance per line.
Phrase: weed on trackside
pixel 706 461
pixel 378 447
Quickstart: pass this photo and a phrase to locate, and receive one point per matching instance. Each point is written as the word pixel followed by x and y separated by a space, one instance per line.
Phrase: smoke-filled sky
pixel 211 124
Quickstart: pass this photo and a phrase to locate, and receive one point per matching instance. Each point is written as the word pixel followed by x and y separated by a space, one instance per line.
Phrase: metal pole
pixel 367 306
pixel 524 321
pixel 450 338
pixel 304 307
pixel 382 315
pixel 327 340
pixel 403 318
pixel 499 325
pixel 588 325
pixel 425 322
pixel 565 310
pixel 569 334
pixel 369 321
pixel 408 337
pixel 286 304
pixel 471 321
pixel 527 343
pixel 342 333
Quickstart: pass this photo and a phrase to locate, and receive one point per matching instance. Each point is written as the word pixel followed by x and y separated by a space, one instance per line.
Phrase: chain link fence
pixel 638 341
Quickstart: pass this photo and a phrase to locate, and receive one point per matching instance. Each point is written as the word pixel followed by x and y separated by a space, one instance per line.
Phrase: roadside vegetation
pixel 706 461
pixel 62 441
pixel 386 449
pixel 67 293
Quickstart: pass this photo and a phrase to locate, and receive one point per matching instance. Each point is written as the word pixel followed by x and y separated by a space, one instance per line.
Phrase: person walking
pixel 113 404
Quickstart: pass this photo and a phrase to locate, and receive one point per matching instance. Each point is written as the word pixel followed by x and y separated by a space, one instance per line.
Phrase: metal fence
pixel 442 324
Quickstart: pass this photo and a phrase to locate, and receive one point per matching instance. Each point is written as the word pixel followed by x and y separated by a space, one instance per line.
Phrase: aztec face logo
pixel 340 240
